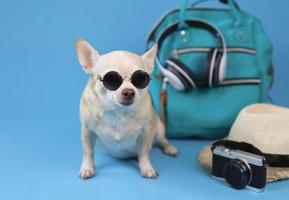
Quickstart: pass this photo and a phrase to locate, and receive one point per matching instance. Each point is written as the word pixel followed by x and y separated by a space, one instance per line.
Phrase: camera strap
pixel 273 160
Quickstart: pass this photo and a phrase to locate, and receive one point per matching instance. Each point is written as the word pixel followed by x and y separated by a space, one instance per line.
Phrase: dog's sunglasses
pixel 113 80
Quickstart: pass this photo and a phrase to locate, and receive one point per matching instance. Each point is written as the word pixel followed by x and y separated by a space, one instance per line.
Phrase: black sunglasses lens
pixel 140 79
pixel 112 81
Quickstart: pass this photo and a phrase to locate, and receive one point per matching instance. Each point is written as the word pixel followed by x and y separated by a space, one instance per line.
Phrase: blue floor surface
pixel 40 161
pixel 41 81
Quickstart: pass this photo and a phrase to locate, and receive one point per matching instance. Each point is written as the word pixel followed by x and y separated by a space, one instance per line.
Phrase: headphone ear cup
pixel 217 67
pixel 174 77
pixel 189 78
pixel 209 67
pixel 179 76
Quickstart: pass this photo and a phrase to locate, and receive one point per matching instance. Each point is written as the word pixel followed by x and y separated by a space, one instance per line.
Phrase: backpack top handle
pixel 233 5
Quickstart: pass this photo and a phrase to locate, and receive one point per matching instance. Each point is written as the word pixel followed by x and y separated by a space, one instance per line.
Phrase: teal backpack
pixel 211 63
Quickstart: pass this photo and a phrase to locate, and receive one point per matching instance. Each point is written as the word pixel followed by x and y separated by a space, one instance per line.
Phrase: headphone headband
pixel 194 23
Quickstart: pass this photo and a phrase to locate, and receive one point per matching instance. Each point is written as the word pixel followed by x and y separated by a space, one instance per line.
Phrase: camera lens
pixel 237 173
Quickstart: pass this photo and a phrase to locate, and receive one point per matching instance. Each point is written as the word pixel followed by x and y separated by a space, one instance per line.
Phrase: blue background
pixel 41 83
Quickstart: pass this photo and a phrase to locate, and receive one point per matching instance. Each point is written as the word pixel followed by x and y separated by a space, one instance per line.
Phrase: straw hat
pixel 266 127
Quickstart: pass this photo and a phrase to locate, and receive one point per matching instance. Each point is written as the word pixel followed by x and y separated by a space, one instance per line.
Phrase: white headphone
pixel 180 76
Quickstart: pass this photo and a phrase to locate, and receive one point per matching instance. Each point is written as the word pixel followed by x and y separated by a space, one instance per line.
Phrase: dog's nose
pixel 128 93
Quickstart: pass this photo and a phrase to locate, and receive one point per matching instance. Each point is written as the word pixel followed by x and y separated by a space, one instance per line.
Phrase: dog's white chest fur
pixel 118 133
pixel 121 148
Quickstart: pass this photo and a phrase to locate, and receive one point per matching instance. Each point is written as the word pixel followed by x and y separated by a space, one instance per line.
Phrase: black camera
pixel 240 169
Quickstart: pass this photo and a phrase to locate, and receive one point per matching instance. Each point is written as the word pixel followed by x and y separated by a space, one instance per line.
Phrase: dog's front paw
pixel 149 173
pixel 86 171
pixel 171 150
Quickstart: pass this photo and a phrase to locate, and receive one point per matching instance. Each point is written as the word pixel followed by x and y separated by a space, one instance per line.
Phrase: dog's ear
pixel 87 55
pixel 149 58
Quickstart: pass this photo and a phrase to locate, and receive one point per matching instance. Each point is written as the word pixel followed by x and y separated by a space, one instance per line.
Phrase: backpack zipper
pixel 177 52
